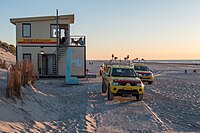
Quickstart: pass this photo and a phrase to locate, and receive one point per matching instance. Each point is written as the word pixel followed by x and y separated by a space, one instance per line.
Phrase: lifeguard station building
pixel 44 40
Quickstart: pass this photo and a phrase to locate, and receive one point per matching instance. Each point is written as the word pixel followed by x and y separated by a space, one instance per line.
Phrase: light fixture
pixel 41 52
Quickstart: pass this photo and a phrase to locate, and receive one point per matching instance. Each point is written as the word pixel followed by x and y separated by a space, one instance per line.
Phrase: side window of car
pixel 108 72
pixel 148 69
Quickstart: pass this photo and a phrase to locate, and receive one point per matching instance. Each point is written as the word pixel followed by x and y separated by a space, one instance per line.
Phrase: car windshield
pixel 141 68
pixel 123 72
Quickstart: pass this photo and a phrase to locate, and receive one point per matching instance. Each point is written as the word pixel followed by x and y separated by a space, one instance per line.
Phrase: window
pixel 141 68
pixel 53 28
pixel 26 30
pixel 108 71
pixel 123 72
pixel 26 56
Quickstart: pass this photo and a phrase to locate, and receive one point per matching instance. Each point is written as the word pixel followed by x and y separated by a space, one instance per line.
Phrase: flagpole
pixel 57 37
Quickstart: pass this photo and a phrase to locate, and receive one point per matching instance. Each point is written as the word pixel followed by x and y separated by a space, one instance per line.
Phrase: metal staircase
pixel 61 55
pixel 62 60
pixel 61 52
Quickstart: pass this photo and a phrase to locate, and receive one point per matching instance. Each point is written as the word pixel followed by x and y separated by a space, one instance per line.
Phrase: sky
pixel 149 29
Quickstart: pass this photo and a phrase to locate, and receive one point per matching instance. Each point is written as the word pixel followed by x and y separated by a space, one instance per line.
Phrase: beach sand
pixel 7 56
pixel 170 104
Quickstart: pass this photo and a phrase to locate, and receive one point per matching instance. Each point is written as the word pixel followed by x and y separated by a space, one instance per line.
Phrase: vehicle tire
pixel 139 97
pixel 110 94
pixel 150 82
pixel 103 86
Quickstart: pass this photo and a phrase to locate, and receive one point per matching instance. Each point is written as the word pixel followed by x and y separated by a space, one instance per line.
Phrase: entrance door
pixel 47 64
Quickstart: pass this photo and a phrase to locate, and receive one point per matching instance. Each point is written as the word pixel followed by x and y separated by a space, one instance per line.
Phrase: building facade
pixel 45 42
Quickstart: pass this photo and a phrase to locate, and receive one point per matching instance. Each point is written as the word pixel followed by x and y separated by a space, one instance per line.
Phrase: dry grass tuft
pixel 3 64
pixel 20 74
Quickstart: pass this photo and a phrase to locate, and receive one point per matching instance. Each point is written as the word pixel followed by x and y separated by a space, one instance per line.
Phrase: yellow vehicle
pixel 144 72
pixel 121 80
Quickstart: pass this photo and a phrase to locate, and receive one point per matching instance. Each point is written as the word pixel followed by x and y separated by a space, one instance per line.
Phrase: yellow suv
pixel 121 80
pixel 144 72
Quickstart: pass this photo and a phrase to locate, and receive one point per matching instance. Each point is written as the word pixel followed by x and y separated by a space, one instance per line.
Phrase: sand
pixel 7 56
pixel 171 104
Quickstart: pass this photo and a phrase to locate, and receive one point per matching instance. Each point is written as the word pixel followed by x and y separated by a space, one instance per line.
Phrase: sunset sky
pixel 150 29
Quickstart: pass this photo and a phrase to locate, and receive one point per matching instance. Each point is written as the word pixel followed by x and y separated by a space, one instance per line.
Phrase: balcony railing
pixel 78 40
pixel 74 41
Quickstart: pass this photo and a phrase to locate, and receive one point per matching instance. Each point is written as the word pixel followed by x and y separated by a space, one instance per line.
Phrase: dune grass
pixel 20 74
pixel 3 64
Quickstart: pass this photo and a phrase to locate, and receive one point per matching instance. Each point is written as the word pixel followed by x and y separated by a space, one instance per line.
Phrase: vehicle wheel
pixel 150 82
pixel 110 94
pixel 139 97
pixel 103 87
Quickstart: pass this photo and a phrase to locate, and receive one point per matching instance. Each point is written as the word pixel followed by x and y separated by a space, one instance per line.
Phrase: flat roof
pixel 42 18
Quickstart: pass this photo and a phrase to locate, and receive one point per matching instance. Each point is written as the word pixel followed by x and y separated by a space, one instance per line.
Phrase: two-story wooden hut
pixel 44 40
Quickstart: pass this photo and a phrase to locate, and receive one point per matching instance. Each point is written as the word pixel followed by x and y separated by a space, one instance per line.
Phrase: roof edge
pixel 42 18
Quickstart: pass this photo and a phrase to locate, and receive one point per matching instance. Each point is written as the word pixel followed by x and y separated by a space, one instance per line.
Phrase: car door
pixel 107 76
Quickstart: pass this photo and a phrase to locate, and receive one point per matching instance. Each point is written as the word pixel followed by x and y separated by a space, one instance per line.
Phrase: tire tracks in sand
pixel 164 125
pixel 123 114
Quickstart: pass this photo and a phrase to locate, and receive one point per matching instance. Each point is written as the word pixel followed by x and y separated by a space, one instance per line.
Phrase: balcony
pixel 73 41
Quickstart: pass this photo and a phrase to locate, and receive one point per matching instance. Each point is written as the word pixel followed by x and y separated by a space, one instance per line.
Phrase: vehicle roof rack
pixel 119 62
pixel 139 61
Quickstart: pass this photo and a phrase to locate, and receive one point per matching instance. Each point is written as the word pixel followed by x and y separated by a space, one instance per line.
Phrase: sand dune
pixel 7 56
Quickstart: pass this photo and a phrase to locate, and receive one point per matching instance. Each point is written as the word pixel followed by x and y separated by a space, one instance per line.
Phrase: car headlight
pixel 115 83
pixel 139 84
pixel 140 75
